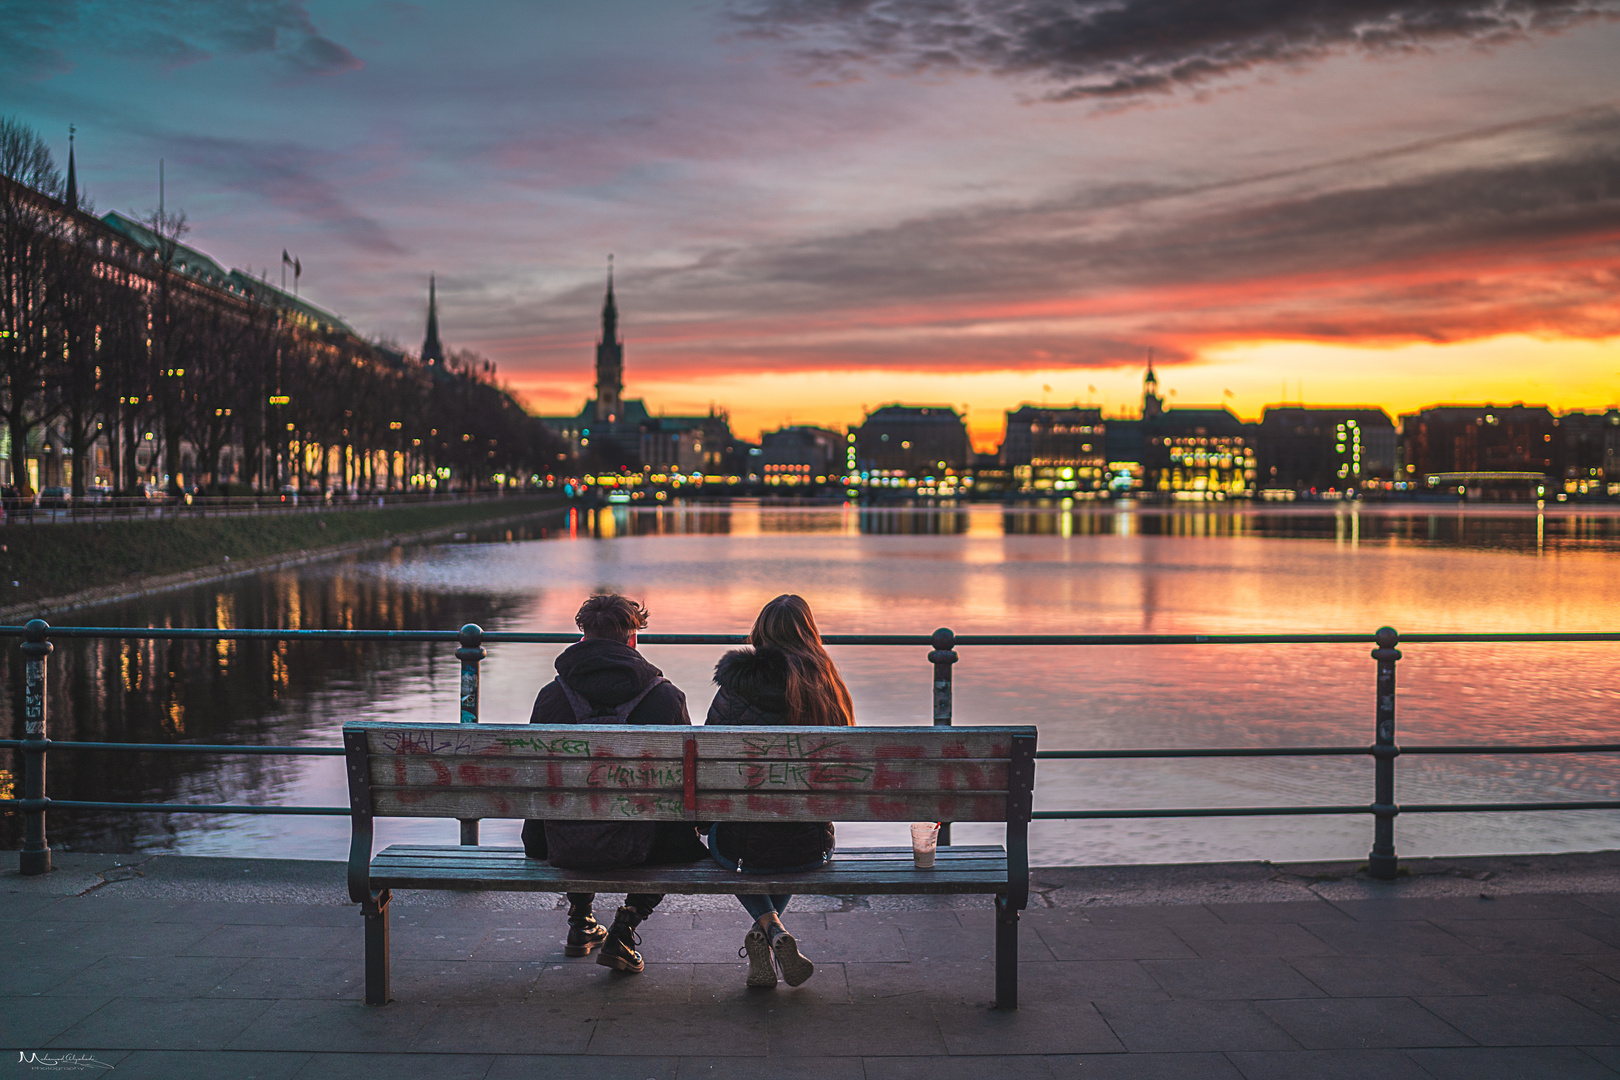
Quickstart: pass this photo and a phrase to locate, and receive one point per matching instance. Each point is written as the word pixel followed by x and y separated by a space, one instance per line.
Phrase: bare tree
pixel 31 235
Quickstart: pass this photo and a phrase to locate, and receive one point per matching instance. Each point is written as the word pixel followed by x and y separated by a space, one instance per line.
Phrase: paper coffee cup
pixel 924 842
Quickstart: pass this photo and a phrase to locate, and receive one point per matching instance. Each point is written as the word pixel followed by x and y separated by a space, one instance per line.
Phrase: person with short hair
pixel 603 679
pixel 786 677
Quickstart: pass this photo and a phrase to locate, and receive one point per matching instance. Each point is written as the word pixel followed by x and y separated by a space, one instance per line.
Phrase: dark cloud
pixel 287 175
pixel 1103 49
pixel 42 38
pixel 1510 229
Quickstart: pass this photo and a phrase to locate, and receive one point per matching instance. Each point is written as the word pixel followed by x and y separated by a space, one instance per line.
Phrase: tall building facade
pixel 1055 449
pixel 912 441
pixel 1305 450
pixel 1482 451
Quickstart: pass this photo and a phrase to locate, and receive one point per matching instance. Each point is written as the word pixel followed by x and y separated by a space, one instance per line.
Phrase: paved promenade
pixel 230 968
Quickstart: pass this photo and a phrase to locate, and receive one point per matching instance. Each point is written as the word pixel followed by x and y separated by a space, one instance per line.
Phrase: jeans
pixel 759 905
pixel 642 902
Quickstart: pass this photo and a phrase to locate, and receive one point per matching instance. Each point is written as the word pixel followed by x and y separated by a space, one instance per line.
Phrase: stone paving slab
pixel 173 967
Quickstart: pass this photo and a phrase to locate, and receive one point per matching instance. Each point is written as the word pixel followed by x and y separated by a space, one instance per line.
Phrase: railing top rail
pixel 142 633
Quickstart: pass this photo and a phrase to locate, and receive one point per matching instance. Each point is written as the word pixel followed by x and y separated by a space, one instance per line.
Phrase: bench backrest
pixel 608 772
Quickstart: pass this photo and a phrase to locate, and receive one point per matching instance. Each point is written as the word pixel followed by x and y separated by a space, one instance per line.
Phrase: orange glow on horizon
pixel 1565 374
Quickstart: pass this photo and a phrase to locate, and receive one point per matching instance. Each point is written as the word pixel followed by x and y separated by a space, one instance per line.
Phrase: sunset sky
pixel 815 205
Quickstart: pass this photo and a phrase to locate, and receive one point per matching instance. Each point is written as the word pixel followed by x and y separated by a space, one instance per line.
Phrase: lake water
pixel 980 570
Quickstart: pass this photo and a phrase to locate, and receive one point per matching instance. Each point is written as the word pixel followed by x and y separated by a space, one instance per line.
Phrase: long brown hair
pixel 815 693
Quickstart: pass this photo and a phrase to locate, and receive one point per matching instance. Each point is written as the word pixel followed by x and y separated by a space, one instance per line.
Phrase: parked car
pixel 55 498
pixel 289 495
pixel 97 495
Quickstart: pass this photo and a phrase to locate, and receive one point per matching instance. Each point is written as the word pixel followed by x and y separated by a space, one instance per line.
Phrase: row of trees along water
pixel 137 345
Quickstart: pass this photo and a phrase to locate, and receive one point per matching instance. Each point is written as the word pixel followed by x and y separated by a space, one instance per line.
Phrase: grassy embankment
pixel 49 561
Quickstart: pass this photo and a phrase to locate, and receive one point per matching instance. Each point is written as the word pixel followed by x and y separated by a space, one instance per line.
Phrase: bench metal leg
pixel 376 914
pixel 1006 954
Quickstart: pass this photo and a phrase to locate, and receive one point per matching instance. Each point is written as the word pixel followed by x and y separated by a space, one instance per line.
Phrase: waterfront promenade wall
pixel 74 566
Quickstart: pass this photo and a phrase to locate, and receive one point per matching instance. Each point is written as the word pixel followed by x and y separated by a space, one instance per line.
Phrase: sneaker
pixel 796 967
pixel 584 934
pixel 619 950
pixel 757 948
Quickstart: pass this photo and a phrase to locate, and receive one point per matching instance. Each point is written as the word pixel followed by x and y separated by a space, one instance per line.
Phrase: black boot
pixel 619 950
pixel 584 932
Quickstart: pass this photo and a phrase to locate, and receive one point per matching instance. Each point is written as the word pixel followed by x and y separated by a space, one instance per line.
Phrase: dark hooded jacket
pixel 753 691
pixel 608 674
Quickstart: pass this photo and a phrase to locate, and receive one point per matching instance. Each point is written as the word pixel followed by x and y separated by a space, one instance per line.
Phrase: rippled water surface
pixel 976 571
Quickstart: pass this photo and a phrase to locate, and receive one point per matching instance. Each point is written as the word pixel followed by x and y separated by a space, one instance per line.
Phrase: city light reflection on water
pixel 977 570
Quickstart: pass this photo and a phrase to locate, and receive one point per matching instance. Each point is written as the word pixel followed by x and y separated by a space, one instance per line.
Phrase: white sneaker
pixel 757 947
pixel 796 968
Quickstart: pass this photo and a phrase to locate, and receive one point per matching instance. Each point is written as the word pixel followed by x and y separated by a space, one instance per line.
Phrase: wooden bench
pixel 592 772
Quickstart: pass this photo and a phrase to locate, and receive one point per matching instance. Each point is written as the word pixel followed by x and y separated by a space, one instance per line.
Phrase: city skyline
pixel 838 210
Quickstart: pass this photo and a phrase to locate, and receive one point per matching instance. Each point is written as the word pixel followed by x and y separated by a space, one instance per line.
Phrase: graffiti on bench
pixel 432 742
pixel 794 745
pixel 622 774
pixel 560 746
pixel 802 774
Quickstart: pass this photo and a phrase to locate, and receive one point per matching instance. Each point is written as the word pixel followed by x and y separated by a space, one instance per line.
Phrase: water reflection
pixel 247 692
pixel 976 569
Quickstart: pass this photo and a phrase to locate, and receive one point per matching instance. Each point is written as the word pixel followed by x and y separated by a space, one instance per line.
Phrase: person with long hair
pixel 786 677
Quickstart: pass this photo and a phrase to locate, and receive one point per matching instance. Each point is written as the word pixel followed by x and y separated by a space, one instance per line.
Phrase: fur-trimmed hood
pixel 753 673
pixel 753 688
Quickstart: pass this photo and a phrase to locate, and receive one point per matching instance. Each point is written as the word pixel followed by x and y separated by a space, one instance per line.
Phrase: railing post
pixel 1381 861
pixel 35 857
pixel 942 657
pixel 470 653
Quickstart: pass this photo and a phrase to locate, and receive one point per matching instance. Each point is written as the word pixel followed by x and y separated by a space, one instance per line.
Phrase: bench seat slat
pixel 850 860
pixel 879 870
pixel 850 870
pixel 491 856
pixel 609 805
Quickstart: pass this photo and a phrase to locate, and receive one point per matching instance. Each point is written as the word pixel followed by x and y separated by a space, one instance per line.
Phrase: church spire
pixel 609 360
pixel 72 177
pixel 432 351
pixel 610 311
pixel 1152 403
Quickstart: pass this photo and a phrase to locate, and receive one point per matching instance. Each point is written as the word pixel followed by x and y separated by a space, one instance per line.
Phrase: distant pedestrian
pixel 785 678
pixel 602 679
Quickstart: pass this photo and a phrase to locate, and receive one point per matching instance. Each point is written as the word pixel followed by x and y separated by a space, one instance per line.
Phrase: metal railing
pixel 1383 863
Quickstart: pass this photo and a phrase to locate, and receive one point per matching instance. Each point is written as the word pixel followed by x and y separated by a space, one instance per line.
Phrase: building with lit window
pixel 1588 461
pixel 802 455
pixel 921 448
pixel 1198 454
pixel 1323 451
pixel 1486 451
pixel 1193 454
pixel 1055 450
